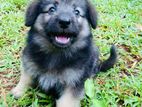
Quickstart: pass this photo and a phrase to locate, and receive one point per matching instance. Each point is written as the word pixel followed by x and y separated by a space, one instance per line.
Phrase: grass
pixel 120 23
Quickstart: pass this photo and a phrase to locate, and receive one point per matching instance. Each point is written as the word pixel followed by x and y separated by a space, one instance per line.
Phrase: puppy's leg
pixel 68 99
pixel 25 81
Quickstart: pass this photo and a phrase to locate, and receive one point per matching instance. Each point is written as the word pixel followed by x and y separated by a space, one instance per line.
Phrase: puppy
pixel 60 55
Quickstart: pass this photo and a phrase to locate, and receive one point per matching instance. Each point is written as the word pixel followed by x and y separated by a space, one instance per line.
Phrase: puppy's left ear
pixel 91 15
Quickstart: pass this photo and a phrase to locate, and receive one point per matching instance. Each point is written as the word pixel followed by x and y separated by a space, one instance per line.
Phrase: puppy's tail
pixel 109 63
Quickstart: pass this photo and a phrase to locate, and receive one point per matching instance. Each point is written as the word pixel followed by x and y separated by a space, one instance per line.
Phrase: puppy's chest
pixel 68 77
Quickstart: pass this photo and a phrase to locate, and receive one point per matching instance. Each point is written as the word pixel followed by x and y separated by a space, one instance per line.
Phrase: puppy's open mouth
pixel 62 39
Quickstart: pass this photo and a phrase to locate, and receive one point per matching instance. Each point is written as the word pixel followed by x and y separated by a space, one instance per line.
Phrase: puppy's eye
pixel 52 10
pixel 77 12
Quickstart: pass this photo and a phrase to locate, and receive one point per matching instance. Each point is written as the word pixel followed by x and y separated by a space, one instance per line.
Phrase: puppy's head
pixel 63 23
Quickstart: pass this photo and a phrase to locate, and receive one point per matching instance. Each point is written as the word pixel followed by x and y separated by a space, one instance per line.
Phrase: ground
pixel 120 23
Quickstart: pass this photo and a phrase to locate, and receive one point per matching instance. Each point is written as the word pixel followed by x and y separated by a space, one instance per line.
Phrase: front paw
pixel 17 92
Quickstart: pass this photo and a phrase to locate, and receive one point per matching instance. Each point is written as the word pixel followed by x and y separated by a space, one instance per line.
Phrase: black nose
pixel 64 21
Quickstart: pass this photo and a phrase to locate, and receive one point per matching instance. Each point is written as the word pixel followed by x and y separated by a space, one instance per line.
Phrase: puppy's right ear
pixel 32 13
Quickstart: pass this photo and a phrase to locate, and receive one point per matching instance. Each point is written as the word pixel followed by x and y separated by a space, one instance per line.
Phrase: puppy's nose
pixel 64 21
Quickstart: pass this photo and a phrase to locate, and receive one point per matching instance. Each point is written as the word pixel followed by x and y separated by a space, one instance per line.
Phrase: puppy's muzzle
pixel 64 20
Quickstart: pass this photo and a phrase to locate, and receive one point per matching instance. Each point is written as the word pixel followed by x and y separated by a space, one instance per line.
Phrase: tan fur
pixel 80 43
pixel 41 19
pixel 24 83
pixel 68 100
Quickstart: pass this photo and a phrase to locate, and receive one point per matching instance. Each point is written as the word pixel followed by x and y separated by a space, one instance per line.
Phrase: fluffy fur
pixel 60 55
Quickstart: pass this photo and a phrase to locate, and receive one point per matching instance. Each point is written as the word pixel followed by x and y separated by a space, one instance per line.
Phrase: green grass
pixel 120 23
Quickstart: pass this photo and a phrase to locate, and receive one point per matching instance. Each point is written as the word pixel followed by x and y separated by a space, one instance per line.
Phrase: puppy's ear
pixel 32 13
pixel 91 14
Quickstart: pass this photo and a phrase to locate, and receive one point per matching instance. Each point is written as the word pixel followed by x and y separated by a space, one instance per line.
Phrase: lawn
pixel 120 23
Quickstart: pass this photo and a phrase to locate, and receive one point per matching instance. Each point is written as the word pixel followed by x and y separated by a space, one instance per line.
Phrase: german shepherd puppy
pixel 59 55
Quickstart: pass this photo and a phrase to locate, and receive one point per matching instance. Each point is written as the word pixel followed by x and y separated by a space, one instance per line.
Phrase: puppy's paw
pixel 17 92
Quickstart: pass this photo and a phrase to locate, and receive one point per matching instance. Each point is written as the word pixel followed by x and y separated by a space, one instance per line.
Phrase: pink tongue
pixel 62 39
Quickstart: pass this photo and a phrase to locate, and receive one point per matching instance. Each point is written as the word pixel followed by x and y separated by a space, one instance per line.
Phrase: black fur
pixel 109 63
pixel 32 13
pixel 92 15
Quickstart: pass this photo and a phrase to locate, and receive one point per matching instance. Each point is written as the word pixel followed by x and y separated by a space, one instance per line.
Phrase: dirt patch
pixel 7 82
